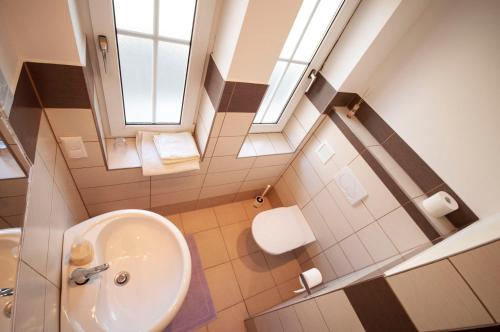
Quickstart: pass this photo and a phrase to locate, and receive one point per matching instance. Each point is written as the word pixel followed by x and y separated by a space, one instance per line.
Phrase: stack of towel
pixel 166 153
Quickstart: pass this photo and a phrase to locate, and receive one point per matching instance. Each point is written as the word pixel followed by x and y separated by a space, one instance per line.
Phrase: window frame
pixel 103 23
pixel 338 24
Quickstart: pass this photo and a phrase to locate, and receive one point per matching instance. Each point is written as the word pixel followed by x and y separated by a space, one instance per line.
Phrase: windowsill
pixel 9 169
pixel 122 157
pixel 265 144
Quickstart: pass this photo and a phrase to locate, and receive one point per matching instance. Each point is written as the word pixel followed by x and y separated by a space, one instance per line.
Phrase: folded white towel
pixel 176 147
pixel 151 162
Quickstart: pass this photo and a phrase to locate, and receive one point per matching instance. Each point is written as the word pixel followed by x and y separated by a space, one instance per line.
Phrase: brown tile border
pixel 228 96
pixel 373 122
pixel 60 86
pixel 347 132
pixel 377 306
pixel 321 94
pixel 26 113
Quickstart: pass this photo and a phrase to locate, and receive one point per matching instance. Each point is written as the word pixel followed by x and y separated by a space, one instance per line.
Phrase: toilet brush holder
pixel 259 200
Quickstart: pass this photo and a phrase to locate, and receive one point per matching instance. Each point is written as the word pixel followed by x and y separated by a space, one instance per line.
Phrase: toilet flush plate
pixel 350 185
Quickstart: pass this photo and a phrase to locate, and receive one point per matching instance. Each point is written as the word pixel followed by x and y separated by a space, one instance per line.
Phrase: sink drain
pixel 122 278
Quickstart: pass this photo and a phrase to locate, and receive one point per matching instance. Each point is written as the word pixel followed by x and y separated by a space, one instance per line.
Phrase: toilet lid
pixel 277 231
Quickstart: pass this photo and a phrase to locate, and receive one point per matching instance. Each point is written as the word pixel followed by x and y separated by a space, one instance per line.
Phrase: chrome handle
pixel 6 292
pixel 312 76
pixel 103 47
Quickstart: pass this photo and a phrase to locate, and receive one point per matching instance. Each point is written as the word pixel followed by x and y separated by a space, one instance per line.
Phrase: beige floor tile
pixel 223 286
pixel 230 320
pixel 252 211
pixel 176 220
pixel 202 329
pixel 239 239
pixel 283 267
pixel 211 247
pixel 252 274
pixel 199 220
pixel 263 301
pixel 286 288
pixel 230 213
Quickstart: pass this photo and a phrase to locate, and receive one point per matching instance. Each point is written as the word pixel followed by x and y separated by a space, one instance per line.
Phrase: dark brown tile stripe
pixel 377 307
pixel 388 181
pixel 60 86
pixel 321 94
pixel 461 217
pixel 26 113
pixel 374 123
pixel 413 165
pixel 343 98
pixel 227 96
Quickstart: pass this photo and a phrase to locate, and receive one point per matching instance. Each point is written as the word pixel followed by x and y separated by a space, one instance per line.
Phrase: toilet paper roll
pixel 313 278
pixel 440 204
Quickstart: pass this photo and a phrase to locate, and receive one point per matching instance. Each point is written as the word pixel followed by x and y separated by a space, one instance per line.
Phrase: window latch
pixel 103 47
pixel 312 76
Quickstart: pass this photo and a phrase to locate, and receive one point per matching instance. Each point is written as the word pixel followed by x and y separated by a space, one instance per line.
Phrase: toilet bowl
pixel 280 230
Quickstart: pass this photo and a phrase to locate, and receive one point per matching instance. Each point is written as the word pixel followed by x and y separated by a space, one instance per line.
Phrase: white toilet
pixel 280 230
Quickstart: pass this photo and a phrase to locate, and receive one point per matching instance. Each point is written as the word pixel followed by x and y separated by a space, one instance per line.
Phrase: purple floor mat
pixel 198 308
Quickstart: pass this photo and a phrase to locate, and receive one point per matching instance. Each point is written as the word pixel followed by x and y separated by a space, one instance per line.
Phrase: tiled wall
pixel 458 292
pixel 54 205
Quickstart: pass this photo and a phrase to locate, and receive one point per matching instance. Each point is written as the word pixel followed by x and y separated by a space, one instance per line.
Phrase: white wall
pixel 439 89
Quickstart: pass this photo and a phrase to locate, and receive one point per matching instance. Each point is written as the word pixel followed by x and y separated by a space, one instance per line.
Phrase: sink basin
pixel 154 254
pixel 9 253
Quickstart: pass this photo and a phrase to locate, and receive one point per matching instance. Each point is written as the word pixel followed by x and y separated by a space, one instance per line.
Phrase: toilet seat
pixel 279 230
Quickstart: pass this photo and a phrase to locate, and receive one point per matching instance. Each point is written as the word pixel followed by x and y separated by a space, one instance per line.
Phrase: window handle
pixel 312 76
pixel 103 47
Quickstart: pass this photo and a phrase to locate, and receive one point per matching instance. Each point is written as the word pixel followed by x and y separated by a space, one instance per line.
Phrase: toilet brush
pixel 259 200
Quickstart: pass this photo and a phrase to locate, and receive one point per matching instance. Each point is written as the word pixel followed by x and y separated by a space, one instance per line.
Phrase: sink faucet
pixel 6 292
pixel 81 276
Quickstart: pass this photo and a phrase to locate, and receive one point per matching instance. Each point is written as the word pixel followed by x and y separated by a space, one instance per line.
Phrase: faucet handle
pixel 6 292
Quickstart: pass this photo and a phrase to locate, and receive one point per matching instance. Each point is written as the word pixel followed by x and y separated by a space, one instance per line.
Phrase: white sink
pixel 153 252
pixel 9 253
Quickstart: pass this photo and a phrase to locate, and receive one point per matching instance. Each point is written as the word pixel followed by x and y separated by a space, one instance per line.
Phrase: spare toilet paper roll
pixel 440 204
pixel 313 278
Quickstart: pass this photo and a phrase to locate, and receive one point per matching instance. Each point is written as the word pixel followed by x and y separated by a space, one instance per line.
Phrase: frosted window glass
pixel 278 71
pixel 176 18
pixel 316 29
pixel 298 27
pixel 172 66
pixel 134 15
pixel 136 65
pixel 284 92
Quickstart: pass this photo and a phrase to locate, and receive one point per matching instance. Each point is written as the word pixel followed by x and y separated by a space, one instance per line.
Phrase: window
pixel 317 26
pixel 154 65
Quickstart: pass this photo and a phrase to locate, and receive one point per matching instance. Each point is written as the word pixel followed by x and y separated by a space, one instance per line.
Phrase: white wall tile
pixel 273 160
pixel 219 119
pixel 117 192
pixel 93 159
pixel 379 246
pixel 201 136
pixel 52 307
pixel 264 172
pixel 320 229
pixel 259 184
pixel 216 179
pixel 284 193
pixel 294 132
pixel 228 146
pixel 176 184
pixel 46 144
pixel 99 176
pixel 338 260
pixel 261 144
pixel 236 124
pixel 358 129
pixel 174 198
pixel 357 215
pixel 132 203
pixel 224 189
pixel 332 215
pixel 280 143
pixel 344 151
pixel 229 163
pixel 30 300
pixel 402 230
pixel 310 317
pixel 355 252
pixel 68 122
pixel 306 113
pixel 297 189
pixel 307 174
pixel 247 149
pixel 379 201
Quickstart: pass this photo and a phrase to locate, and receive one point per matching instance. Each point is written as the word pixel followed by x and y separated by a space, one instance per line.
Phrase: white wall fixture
pixel 350 185
pixel 325 152
pixel 440 204
pixel 74 147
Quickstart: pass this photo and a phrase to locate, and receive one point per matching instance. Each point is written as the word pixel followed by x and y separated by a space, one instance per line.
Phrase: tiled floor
pixel 242 279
